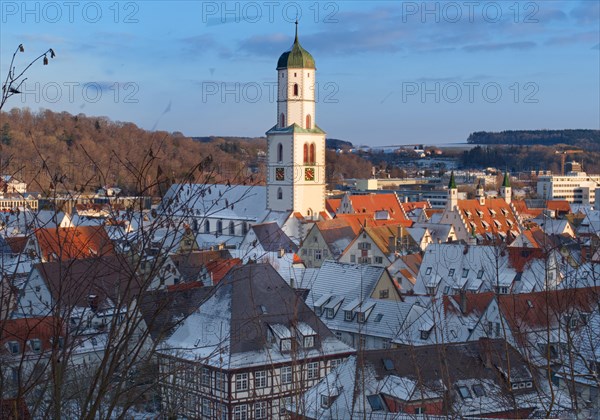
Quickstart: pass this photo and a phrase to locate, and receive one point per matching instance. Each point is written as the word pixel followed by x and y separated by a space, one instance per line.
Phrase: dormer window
pixel 451 272
pixel 13 347
pixel 464 392
pixel 36 345
pixel 348 315
pixel 428 271
pixel 286 344
pixel 309 341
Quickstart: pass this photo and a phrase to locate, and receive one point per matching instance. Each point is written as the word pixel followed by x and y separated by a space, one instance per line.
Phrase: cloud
pixel 265 45
pixel 199 44
pixel 587 12
pixel 577 38
pixel 44 39
pixel 524 45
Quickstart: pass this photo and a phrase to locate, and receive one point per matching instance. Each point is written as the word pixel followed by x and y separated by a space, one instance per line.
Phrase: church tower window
pixel 308 122
pixel 295 89
pixel 282 120
pixel 279 193
pixel 219 227
pixel 305 153
pixel 231 228
pixel 312 154
pixel 279 152
pixel 206 226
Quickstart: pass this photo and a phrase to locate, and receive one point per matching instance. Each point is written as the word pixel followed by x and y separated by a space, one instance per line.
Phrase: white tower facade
pixel 296 145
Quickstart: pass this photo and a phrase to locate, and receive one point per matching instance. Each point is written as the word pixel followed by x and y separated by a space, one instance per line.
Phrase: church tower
pixel 296 145
pixel 505 189
pixel 452 202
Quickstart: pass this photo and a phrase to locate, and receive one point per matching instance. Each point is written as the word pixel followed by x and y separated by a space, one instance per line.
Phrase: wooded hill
pixel 584 139
pixel 50 150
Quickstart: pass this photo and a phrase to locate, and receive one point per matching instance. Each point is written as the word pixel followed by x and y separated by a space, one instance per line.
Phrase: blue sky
pixel 392 72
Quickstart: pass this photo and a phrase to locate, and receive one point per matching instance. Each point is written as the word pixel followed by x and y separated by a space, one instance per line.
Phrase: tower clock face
pixel 279 174
pixel 309 174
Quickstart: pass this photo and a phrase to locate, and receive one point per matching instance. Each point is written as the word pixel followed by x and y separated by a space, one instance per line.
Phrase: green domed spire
pixel 297 57
pixel 506 181
pixel 452 183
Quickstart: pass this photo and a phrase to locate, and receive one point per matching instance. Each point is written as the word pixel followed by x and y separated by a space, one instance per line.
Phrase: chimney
pixel 292 283
pixel 463 302
pixel 392 244
pixel 93 301
pixel 486 354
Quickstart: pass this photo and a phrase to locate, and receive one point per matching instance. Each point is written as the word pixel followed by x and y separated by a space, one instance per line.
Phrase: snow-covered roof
pixel 348 280
pixel 230 328
pixel 220 201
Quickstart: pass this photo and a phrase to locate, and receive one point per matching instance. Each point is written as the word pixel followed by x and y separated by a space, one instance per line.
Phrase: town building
pixel 482 220
pixel 575 187
pixel 482 379
pixel 247 350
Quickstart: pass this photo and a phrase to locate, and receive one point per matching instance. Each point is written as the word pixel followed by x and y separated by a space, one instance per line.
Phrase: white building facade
pixel 296 145
pixel 575 187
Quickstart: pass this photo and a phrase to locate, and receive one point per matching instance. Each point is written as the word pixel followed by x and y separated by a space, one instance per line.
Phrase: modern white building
pixel 575 187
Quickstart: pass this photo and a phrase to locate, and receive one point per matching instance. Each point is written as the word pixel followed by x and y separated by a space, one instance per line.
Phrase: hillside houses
pixel 483 378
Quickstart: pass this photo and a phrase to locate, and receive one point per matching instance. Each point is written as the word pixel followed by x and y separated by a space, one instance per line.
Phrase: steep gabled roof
pixel 332 204
pixel 73 243
pixel 372 203
pixel 163 310
pixel 220 268
pixel 350 281
pixel 559 206
pixel 381 236
pixel 409 206
pixel 474 303
pixel 530 311
pixel 190 264
pixel 250 300
pixel 494 218
pixel 109 279
pixel 272 238
pixel 22 330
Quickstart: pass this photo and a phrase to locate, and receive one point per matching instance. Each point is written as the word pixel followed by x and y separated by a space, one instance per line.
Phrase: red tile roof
pixel 411 205
pixel 185 286
pixel 17 243
pixel 22 330
pixel 372 203
pixel 521 208
pixel 332 204
pixel 475 302
pixel 543 309
pixel 73 243
pixel 220 268
pixel 368 219
pixel 493 217
pixel 560 206
pixel 14 409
